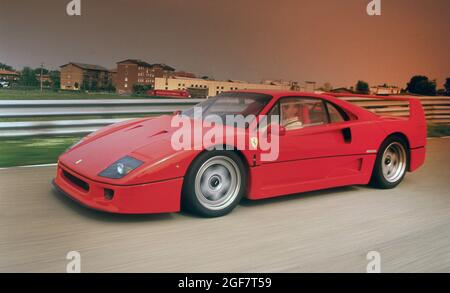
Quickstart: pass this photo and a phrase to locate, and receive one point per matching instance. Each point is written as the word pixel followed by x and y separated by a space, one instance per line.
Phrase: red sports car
pixel 320 142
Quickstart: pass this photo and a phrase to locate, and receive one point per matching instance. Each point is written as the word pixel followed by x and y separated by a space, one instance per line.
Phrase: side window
pixel 299 112
pixel 290 113
pixel 316 114
pixel 335 114
pixel 275 111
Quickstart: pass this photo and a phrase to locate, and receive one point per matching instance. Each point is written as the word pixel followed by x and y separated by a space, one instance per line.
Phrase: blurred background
pixel 62 77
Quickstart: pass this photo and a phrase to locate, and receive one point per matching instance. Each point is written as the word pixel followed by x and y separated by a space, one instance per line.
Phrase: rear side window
pixel 300 112
pixel 336 115
pixel 317 113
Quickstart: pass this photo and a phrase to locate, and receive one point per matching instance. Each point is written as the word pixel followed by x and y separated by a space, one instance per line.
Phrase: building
pixel 211 87
pixel 77 76
pixel 184 74
pixel 46 80
pixel 343 90
pixel 293 85
pixel 113 76
pixel 310 87
pixel 9 75
pixel 132 72
pixel 385 90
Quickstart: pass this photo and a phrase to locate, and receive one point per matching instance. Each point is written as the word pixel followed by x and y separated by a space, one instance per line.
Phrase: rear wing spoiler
pixel 416 112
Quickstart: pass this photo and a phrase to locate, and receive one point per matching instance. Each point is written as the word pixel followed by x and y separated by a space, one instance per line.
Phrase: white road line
pixel 30 166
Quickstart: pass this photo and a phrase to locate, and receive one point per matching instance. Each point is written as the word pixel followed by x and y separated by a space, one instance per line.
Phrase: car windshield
pixel 233 104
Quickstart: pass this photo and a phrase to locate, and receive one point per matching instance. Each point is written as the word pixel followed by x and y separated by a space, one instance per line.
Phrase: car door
pixel 316 146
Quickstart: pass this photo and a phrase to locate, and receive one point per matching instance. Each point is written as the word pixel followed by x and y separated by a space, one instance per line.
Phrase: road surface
pixel 324 231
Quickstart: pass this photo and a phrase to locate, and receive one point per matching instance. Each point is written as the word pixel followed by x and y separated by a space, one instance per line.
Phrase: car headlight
pixel 121 168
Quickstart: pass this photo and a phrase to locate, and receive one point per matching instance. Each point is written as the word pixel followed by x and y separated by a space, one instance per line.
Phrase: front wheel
pixel 391 163
pixel 214 184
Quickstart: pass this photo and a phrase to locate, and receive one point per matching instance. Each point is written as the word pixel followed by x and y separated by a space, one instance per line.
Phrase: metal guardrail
pixel 62 127
pixel 46 108
pixel 437 110
pixel 78 108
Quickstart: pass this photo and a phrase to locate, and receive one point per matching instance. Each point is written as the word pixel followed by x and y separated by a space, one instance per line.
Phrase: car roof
pixel 277 94
pixel 280 93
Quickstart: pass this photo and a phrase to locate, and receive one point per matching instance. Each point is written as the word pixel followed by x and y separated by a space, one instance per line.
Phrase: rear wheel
pixel 214 184
pixel 391 163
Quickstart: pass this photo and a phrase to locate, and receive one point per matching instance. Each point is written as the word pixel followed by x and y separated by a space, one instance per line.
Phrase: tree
pixel 327 87
pixel 109 87
pixel 55 77
pixel 141 89
pixel 44 71
pixel 6 67
pixel 28 77
pixel 447 86
pixel 94 86
pixel 86 85
pixel 421 85
pixel 362 87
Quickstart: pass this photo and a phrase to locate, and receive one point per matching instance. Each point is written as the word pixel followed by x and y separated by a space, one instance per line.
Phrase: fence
pixel 76 110
pixel 437 110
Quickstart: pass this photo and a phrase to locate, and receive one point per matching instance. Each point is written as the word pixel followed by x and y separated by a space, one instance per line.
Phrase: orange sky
pixel 320 40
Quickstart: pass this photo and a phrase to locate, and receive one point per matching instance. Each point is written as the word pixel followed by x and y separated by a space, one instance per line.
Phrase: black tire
pixel 195 188
pixel 385 180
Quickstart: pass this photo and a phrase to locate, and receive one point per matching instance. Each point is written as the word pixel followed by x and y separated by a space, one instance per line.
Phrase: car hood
pixel 147 140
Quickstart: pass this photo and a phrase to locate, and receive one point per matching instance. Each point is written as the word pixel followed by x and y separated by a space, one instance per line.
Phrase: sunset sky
pixel 316 40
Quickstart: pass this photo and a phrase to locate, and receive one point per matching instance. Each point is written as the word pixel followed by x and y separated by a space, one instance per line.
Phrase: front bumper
pixel 156 197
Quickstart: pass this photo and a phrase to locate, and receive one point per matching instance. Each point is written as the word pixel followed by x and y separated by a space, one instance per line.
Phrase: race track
pixel 324 231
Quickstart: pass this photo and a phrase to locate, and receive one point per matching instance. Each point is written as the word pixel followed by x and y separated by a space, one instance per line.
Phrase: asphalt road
pixel 324 231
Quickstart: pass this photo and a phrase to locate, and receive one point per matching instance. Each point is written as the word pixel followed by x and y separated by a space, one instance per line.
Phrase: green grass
pixel 33 151
pixel 438 130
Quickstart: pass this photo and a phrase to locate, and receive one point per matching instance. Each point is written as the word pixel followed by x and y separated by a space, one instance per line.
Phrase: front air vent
pixel 159 132
pixel 133 128
pixel 76 181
